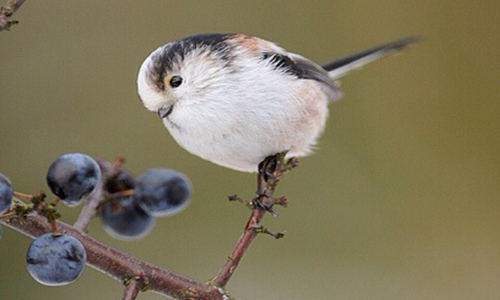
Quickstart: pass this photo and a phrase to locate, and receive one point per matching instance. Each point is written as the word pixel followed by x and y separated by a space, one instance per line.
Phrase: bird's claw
pixel 258 203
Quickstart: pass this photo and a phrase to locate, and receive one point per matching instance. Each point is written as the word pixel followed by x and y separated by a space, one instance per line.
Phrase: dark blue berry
pixel 73 176
pixel 125 219
pixel 5 193
pixel 120 182
pixel 162 192
pixel 55 259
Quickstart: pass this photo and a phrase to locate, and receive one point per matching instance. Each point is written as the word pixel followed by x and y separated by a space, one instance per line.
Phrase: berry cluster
pixel 129 205
pixel 156 193
pixel 127 209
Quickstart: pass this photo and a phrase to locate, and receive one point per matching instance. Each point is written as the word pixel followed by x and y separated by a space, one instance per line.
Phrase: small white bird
pixel 235 99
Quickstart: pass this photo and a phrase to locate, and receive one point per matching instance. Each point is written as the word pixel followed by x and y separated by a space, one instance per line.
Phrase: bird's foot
pixel 272 168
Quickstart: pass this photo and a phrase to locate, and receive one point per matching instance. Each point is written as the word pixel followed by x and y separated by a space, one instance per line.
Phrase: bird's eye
pixel 174 81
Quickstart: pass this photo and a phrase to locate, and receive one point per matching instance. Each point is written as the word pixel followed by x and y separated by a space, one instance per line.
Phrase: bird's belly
pixel 230 149
pixel 243 146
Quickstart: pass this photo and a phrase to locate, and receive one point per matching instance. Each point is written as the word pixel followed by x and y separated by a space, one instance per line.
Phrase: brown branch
pixel 271 171
pixel 246 238
pixel 7 11
pixel 122 266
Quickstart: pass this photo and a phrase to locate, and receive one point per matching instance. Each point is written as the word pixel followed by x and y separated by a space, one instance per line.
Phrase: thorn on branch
pixel 283 201
pixel 8 26
pixel 261 229
pixel 7 11
pixel 237 198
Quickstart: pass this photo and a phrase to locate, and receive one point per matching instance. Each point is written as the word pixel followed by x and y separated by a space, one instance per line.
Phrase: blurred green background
pixel 401 201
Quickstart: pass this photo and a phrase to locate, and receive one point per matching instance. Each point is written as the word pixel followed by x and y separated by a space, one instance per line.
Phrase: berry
pixel 55 259
pixel 120 182
pixel 125 219
pixel 5 193
pixel 162 192
pixel 73 176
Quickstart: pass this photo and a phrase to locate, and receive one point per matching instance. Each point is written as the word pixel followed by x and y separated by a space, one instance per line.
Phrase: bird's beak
pixel 165 111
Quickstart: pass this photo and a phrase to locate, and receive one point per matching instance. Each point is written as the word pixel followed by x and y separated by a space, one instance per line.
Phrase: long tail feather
pixel 342 66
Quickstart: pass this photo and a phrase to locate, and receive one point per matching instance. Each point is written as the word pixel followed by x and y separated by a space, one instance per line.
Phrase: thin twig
pixel 246 238
pixel 132 289
pixel 265 190
pixel 7 11
pixel 89 209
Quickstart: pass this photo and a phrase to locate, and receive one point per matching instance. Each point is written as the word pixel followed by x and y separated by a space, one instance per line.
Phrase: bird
pixel 235 99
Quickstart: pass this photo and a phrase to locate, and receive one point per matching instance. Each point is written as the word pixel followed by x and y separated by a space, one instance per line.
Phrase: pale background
pixel 400 202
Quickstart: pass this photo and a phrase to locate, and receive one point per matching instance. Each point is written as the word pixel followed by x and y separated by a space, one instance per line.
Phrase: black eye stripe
pixel 175 81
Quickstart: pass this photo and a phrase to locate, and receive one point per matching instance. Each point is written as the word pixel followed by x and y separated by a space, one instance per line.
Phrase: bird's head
pixel 183 72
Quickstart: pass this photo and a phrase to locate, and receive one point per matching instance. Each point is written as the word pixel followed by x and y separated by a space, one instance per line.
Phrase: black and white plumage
pixel 235 99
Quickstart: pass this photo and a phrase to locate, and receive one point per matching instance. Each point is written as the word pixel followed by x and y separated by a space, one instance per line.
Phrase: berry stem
pixel 22 195
pixel 53 227
pixel 122 194
pixel 90 208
